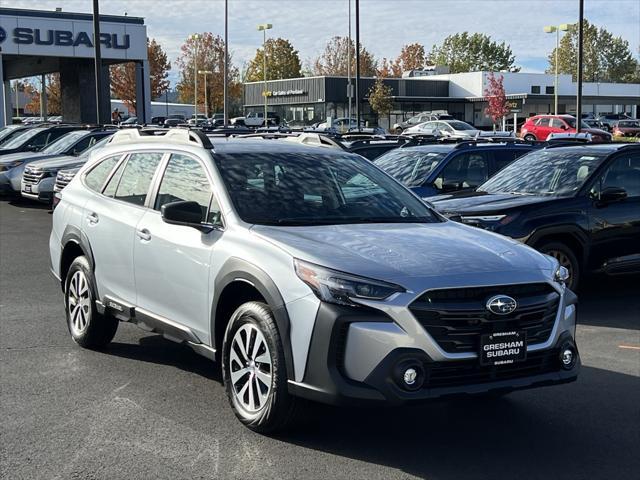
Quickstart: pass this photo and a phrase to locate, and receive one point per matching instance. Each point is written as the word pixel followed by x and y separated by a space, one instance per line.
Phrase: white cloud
pixel 385 24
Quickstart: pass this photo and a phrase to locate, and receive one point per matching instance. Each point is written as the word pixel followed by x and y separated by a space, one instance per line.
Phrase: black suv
pixel 36 138
pixel 433 169
pixel 579 204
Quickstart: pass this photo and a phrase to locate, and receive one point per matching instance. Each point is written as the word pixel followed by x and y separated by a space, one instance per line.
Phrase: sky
pixel 385 25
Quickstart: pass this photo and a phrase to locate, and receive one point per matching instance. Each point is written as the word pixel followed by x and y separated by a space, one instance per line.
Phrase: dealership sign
pixel 66 38
pixel 284 93
pixel 515 105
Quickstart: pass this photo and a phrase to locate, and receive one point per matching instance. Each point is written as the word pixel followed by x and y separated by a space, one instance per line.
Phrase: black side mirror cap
pixel 188 214
pixel 612 194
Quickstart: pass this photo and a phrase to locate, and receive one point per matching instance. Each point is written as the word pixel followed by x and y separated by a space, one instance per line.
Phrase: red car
pixel 541 126
pixel 627 128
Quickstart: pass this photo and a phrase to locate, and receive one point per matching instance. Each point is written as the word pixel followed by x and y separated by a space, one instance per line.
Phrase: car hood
pixel 27 156
pixel 58 161
pixel 482 202
pixel 402 253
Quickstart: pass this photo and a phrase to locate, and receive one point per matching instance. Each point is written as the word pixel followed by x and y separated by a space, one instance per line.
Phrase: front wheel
pixel 530 138
pixel 566 258
pixel 254 370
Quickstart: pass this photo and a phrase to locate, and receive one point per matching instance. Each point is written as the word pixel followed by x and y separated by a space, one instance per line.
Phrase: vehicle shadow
pixel 584 430
pixel 16 200
pixel 610 301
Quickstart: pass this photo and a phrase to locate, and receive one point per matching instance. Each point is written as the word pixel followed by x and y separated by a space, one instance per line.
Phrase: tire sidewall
pixel 260 316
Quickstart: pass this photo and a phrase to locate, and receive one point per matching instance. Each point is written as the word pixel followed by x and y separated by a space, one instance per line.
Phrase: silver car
pixel 304 272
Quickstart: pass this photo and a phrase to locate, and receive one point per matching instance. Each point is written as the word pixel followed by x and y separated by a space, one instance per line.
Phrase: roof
pixel 232 146
pixel 599 148
pixel 52 14
pixel 448 147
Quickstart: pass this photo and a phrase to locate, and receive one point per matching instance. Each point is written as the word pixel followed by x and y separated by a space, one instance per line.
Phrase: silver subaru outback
pixel 307 273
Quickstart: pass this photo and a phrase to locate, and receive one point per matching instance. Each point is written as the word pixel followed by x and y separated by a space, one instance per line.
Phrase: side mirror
pixel 612 194
pixel 451 186
pixel 188 214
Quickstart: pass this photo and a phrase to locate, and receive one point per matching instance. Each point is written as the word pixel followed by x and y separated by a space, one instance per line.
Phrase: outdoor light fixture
pixel 556 29
pixel 195 37
pixel 263 27
pixel 206 105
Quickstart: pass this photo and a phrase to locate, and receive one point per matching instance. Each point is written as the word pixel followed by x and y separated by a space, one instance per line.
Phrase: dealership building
pixel 304 101
pixel 37 42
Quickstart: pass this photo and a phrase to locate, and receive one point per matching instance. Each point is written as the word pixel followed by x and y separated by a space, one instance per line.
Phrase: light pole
pixel 553 29
pixel 195 38
pixel 206 105
pixel 263 28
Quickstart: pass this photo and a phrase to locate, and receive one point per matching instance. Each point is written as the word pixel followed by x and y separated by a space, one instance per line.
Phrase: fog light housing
pixel 568 356
pixel 409 375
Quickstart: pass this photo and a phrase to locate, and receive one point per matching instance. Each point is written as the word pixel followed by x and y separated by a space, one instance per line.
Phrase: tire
pixel 87 326
pixel 399 131
pixel 259 396
pixel 566 258
pixel 530 137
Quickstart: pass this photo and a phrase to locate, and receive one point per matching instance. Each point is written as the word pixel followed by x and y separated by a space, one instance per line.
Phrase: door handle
pixel 144 234
pixel 92 218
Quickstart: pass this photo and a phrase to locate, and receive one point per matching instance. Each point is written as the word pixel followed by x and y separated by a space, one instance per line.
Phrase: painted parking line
pixel 629 347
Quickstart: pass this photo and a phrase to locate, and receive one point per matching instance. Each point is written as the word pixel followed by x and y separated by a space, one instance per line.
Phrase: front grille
pixel 470 372
pixel 32 176
pixel 62 180
pixel 457 318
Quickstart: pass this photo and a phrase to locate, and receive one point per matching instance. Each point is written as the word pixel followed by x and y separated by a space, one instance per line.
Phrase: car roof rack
pixel 315 140
pixel 173 135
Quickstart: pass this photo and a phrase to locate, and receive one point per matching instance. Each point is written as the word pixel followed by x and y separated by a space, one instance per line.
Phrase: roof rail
pixel 172 135
pixel 315 140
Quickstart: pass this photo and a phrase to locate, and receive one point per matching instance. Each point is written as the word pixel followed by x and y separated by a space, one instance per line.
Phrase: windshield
pixel 553 172
pixel 457 125
pixel 316 189
pixel 64 143
pixel 6 132
pixel 572 122
pixel 410 167
pixel 21 139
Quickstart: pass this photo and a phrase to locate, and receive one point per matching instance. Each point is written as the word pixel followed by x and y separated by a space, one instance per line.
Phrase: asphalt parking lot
pixel 148 408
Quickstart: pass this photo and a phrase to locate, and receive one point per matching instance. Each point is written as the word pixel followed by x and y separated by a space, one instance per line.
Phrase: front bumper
pixel 41 191
pixel 355 355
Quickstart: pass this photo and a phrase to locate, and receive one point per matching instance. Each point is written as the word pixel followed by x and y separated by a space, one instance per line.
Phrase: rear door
pixel 110 220
pixel 172 262
pixel 542 128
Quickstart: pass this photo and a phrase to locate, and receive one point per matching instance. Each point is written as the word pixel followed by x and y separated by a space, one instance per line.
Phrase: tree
pixel 334 60
pixel 54 97
pixel 389 68
pixel 463 52
pixel 282 62
pixel 380 97
pixel 606 58
pixel 123 76
pixel 210 56
pixel 412 57
pixel 497 107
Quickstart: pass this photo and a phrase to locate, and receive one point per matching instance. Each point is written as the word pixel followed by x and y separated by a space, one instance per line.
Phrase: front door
pixel 615 226
pixel 172 262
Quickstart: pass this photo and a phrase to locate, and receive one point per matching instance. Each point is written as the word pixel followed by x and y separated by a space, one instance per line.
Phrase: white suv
pixel 306 272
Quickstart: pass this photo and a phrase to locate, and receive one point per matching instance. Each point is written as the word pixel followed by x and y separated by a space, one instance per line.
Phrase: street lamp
pixel 195 38
pixel 556 29
pixel 206 105
pixel 263 28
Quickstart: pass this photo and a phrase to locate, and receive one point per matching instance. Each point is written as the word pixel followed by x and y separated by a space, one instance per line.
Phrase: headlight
pixel 561 275
pixel 488 221
pixel 338 287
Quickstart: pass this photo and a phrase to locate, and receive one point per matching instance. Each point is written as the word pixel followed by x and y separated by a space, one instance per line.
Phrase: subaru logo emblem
pixel 501 305
pixel 3 35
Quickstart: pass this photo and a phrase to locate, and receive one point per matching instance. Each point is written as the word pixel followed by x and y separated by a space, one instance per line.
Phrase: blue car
pixel 436 169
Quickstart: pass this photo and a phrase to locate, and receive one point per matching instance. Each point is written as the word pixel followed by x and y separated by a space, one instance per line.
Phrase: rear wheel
pixel 254 370
pixel 87 326
pixel 566 258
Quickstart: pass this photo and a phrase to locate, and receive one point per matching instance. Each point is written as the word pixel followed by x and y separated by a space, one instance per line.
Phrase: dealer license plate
pixel 503 348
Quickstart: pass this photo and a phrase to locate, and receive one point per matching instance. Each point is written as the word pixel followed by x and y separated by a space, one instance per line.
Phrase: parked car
pixel 447 128
pixel 610 119
pixel 341 125
pixel 256 119
pixel 579 204
pixel 434 169
pixel 307 273
pixel 130 122
pixel 594 123
pixel 626 128
pixel 540 127
pixel 63 178
pixel 421 118
pixel 39 176
pixel 10 131
pixel 158 120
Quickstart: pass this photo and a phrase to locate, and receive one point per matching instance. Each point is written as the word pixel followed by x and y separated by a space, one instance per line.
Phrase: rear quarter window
pixel 95 178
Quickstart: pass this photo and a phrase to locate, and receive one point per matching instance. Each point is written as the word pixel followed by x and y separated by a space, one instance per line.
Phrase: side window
pixel 83 144
pixel 557 123
pixel 185 180
pixel 54 135
pixel 624 172
pixel 467 170
pixel 96 177
pixel 110 189
pixel 505 157
pixel 136 177
pixel 542 122
pixel 40 140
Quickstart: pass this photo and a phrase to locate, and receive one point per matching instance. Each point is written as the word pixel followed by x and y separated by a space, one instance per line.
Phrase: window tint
pixel 624 172
pixel 467 170
pixel 98 174
pixel 505 157
pixel 136 177
pixel 185 180
pixel 410 167
pixel 83 144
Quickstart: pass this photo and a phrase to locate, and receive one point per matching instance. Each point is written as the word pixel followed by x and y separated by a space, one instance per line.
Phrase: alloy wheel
pixel 79 303
pixel 250 368
pixel 564 261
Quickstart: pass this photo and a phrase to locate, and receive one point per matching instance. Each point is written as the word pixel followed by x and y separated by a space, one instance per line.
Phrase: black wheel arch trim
pixel 236 269
pixel 73 234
